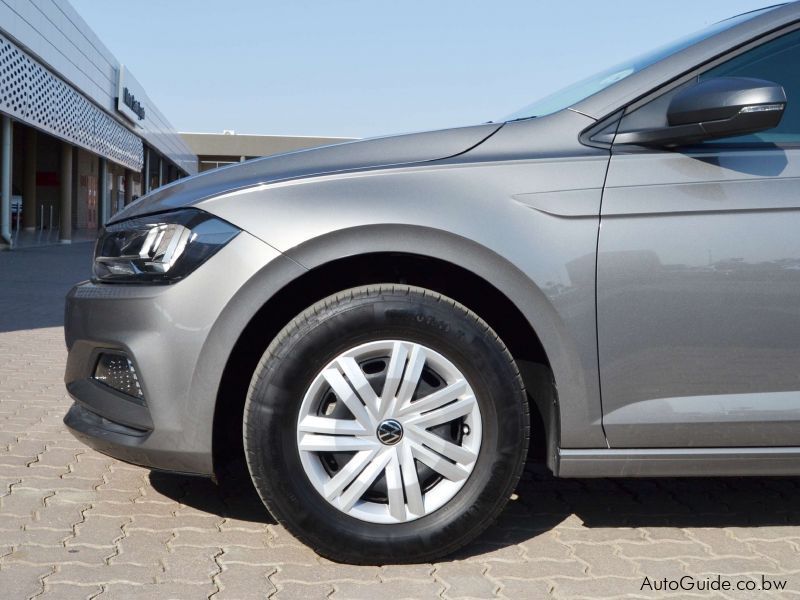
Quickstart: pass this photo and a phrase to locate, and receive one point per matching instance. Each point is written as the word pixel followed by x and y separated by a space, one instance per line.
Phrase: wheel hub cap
pixel 389 431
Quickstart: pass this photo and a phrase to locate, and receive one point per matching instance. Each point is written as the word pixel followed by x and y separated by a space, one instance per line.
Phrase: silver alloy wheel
pixel 353 441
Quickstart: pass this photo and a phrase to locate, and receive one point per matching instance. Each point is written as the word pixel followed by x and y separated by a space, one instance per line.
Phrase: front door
pixel 698 282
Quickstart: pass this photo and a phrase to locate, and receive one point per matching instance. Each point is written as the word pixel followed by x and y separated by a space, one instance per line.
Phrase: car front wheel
pixel 386 424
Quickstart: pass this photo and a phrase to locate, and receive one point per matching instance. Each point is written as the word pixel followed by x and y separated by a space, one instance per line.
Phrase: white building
pixel 79 136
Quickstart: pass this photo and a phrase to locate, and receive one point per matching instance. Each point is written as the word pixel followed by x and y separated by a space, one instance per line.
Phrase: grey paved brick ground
pixel 76 524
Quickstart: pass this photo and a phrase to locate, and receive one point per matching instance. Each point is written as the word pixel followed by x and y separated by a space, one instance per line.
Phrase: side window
pixel 777 61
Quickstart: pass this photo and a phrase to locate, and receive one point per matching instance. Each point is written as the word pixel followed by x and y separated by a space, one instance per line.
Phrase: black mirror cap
pixel 716 108
pixel 723 98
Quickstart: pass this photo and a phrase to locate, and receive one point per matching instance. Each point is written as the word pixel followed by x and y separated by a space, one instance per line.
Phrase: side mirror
pixel 715 108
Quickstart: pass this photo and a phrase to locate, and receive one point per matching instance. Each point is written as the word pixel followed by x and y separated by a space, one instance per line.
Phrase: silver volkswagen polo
pixel 381 327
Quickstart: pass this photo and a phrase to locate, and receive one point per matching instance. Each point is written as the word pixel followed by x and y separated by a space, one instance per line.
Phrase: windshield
pixel 591 85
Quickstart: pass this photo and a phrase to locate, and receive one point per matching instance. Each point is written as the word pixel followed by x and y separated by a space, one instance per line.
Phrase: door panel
pixel 698 299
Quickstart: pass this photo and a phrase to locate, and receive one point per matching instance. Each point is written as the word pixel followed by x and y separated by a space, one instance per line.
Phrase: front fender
pixel 578 424
pixel 527 227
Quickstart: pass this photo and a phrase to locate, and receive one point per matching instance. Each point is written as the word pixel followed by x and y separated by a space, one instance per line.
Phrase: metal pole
pixel 17 225
pixel 65 211
pixel 5 182
pixel 29 180
pixel 103 199
pixel 146 180
pixel 41 217
pixel 128 186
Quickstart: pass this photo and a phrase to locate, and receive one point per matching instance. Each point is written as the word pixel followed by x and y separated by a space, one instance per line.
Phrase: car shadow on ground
pixel 542 502
pixel 231 497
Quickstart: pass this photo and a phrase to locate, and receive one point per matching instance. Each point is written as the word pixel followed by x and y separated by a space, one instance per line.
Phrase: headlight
pixel 159 248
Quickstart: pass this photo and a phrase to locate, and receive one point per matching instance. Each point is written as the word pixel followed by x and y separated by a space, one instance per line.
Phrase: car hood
pixel 349 156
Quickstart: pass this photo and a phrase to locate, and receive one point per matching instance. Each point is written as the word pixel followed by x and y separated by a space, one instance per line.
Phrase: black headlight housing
pixel 160 248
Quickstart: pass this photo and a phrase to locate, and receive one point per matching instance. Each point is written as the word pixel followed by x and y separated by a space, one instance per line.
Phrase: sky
pixel 352 68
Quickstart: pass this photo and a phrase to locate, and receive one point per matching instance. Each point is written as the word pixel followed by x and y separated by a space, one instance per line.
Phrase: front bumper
pixel 125 443
pixel 178 337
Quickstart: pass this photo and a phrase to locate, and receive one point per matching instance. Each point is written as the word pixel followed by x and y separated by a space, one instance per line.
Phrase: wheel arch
pixel 452 265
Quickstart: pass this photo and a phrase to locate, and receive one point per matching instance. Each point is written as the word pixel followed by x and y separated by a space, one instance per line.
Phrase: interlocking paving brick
pixel 671 534
pixel 147 521
pixel 236 524
pixel 595 587
pixel 657 569
pixel 731 565
pixel 98 530
pixel 767 532
pixel 56 457
pixel 41 536
pixel 75 523
pixel 326 573
pixel 546 545
pixel 58 514
pixel 295 553
pixel 293 590
pixel 23 501
pixel 407 590
pixel 522 588
pixel 420 572
pixel 243 539
pixel 23 581
pixel 28 448
pixel 101 575
pixel 661 549
pixel 719 542
pixel 603 559
pixel 67 591
pixel 784 553
pixel 156 591
pixel 90 466
pixel 267 555
pixel 56 555
pixel 186 564
pixel 140 547
pixel 599 535
pixel 465 580
pixel 244 581
pixel 480 551
pixel 15 522
pixel 539 569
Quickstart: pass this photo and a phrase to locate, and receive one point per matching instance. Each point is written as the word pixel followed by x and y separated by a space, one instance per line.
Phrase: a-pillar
pixel 65 218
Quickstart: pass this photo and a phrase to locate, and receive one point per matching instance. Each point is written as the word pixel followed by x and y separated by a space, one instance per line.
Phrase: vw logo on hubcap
pixel 390 432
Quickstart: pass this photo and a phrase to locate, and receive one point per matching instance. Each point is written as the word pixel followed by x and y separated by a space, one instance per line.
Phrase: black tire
pixel 343 321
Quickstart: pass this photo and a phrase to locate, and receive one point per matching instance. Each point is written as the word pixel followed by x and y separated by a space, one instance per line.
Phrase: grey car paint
pixel 177 338
pixel 337 158
pixel 543 262
pixel 519 205
pixel 698 299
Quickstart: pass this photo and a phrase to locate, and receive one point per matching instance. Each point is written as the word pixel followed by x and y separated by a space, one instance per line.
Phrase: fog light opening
pixel 117 372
